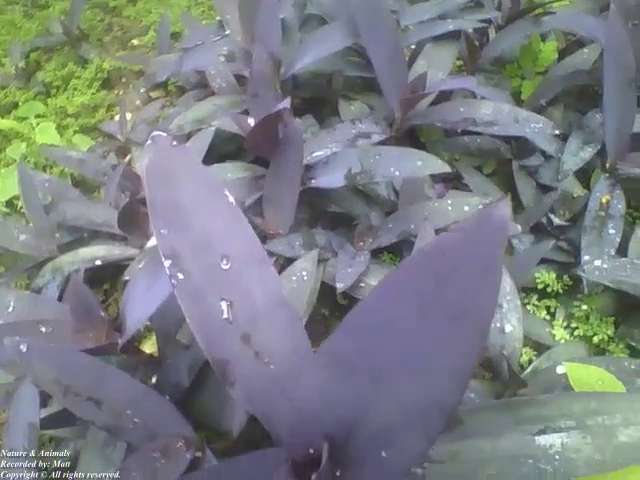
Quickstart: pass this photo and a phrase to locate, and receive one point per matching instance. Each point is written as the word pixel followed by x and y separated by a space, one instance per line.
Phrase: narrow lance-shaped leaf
pixel 31 202
pixel 604 220
pixel 387 374
pixel 284 177
pixel 22 425
pixel 147 289
pixel 619 87
pixel 378 33
pixel 228 289
pixel 96 391
pixel 321 43
pixel 491 118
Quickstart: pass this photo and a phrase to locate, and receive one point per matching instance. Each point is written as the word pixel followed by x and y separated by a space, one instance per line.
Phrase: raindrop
pixel 597 263
pixel 174 143
pixel 167 262
pixel 225 310
pixel 164 231
pixel 12 306
pixel 561 370
pixel 230 197
pixel 180 276
pixel 338 473
pixel 383 453
pixel 466 208
pixel 44 329
pixel 23 347
pixel 225 262
pixel 97 263
pixel 339 285
pixel 312 451
pixel 22 237
pixel 181 444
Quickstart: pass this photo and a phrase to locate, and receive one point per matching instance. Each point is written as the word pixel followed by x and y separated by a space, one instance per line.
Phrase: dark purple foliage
pixel 298 249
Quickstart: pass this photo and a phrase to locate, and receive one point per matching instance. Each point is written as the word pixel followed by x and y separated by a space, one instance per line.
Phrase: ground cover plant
pixel 320 240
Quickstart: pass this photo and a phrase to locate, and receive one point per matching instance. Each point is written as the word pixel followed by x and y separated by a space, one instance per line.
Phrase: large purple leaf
pixel 263 92
pixel 229 291
pixel 423 11
pixel 373 164
pixel 619 87
pixel 260 465
pixel 408 350
pixel 378 33
pixel 437 27
pixel 96 391
pixel 163 459
pixel 491 118
pixel 321 43
pixel 284 178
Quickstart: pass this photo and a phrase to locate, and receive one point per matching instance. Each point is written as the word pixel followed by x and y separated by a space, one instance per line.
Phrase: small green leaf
pixel 8 183
pixel 529 86
pixel 13 126
pixel 629 473
pixel 47 133
pixel 83 142
pixel 30 109
pixel 589 378
pixel 17 150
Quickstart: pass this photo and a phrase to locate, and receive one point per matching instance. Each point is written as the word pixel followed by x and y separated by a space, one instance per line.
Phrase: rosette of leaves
pixel 306 138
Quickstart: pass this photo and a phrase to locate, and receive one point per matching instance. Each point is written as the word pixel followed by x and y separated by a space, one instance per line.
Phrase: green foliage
pixel 389 258
pixel 67 96
pixel 534 60
pixel 552 283
pixel 632 215
pixel 527 357
pixel 573 317
pixel 589 378
pixel 629 473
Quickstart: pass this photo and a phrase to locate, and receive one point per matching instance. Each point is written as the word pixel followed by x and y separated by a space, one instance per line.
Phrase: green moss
pixel 573 317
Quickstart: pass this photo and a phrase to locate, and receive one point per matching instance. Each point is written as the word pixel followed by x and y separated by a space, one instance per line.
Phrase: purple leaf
pixel 434 28
pixel 387 357
pixel 245 326
pixel 87 164
pixel 619 99
pixel 284 177
pixel 267 31
pixel 96 392
pixel 206 113
pixel 92 327
pixel 491 118
pixel 351 263
pixel 22 425
pixel 259 465
pixel 301 283
pixel 378 34
pixel 163 459
pixel 147 289
pixel 472 84
pixel 322 42
pixel 373 164
pixel 17 237
pixel 348 134
pixel 421 12
pixel 31 202
pixel 604 221
pixel 263 92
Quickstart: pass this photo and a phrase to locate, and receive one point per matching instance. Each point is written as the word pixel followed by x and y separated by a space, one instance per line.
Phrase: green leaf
pixel 547 55
pixel 589 378
pixel 83 142
pixel 47 133
pixel 529 86
pixel 629 473
pixel 8 183
pixel 17 150
pixel 30 109
pixel 13 126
